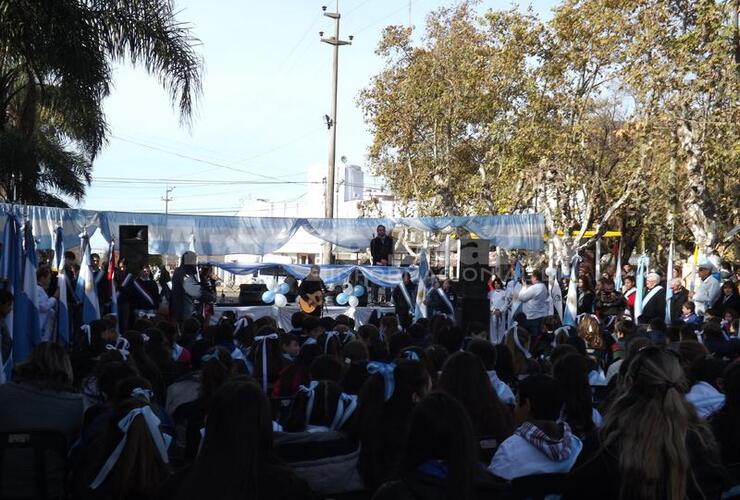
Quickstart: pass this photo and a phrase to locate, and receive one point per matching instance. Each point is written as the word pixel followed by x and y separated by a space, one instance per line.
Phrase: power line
pixel 196 159
pixel 390 14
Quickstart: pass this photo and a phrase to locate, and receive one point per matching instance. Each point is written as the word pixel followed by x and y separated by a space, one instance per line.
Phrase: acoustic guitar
pixel 313 302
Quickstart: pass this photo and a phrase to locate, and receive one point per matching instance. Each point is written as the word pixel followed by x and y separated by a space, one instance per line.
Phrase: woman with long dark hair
pixel 464 377
pixel 571 373
pixel 439 458
pixel 652 444
pixel 382 419
pixel 236 460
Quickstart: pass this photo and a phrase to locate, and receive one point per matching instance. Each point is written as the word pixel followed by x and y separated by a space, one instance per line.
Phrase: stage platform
pixel 282 315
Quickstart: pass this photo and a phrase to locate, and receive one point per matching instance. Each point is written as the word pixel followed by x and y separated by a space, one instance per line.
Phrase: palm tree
pixel 56 59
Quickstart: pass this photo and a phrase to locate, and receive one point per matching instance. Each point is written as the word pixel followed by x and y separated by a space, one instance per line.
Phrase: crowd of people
pixel 178 408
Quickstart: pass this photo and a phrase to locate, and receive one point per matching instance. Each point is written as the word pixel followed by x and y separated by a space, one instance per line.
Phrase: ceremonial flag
pixel 421 289
pixel 111 279
pixel 618 272
pixel 12 282
pixel 63 307
pixel 191 243
pixel 642 266
pixel 669 290
pixel 571 303
pixel 597 261
pixel 556 296
pixel 26 327
pixel 86 289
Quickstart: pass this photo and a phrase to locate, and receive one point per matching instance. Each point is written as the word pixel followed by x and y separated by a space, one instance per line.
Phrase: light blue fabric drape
pixel 223 235
pixel 45 220
pixel 352 234
pixel 214 235
pixel 385 276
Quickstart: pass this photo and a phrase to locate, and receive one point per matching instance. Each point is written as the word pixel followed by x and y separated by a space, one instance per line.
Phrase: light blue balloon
pixel 342 299
pixel 268 297
pixel 358 291
pixel 283 288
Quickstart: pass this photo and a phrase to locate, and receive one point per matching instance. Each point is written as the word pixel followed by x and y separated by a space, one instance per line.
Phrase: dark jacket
pixel 586 302
pixel 381 249
pixel 724 303
pixel 677 301
pixel 655 308
pixel 610 305
pixel 596 473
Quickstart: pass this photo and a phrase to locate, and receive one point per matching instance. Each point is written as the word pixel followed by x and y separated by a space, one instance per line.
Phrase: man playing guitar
pixel 311 293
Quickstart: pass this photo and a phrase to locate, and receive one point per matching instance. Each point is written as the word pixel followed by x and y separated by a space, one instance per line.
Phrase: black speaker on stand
pixel 133 243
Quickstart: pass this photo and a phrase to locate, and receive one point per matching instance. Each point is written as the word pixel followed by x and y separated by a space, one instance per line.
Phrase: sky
pixel 259 126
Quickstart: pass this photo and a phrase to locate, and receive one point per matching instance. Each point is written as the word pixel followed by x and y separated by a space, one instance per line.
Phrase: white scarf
pixel 629 292
pixel 650 295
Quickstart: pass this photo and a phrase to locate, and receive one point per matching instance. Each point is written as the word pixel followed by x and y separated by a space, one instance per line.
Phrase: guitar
pixel 313 302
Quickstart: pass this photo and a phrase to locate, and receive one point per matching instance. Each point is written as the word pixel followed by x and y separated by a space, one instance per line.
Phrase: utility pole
pixel 166 199
pixel 331 121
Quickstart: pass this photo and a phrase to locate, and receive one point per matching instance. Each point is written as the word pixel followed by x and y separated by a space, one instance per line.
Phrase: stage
pixel 282 315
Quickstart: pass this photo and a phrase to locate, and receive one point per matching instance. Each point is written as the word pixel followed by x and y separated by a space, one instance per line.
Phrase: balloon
pixel 551 272
pixel 272 286
pixel 353 301
pixel 283 288
pixel 268 297
pixel 347 288
pixel 359 291
pixel 280 300
pixel 342 298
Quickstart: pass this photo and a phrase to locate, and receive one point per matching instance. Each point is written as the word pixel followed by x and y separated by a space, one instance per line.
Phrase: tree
pixel 56 59
pixel 586 118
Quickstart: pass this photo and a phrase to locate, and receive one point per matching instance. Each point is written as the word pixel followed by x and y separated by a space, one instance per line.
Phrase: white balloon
pixel 347 288
pixel 272 286
pixel 551 272
pixel 353 301
pixel 280 300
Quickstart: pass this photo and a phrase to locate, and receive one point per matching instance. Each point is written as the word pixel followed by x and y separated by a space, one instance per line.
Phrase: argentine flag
pixel 58 266
pixel 571 303
pixel 12 282
pixel 642 268
pixel 421 289
pixel 86 290
pixel 669 290
pixel 26 327
pixel 111 279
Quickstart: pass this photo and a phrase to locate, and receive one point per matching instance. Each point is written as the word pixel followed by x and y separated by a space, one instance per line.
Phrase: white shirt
pixel 47 307
pixel 516 457
pixel 498 300
pixel 534 301
pixel 706 294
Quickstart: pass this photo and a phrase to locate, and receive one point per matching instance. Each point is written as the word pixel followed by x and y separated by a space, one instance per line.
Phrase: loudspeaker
pixel 473 269
pixel 133 243
pixel 472 310
pixel 251 294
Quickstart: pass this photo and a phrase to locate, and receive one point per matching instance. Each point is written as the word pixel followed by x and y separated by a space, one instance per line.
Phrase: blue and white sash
pixel 446 300
pixel 650 295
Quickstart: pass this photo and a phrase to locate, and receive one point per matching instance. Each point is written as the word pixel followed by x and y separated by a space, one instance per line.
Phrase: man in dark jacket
pixel 381 249
pixel 185 288
pixel 679 298
pixel 609 302
pixel 653 303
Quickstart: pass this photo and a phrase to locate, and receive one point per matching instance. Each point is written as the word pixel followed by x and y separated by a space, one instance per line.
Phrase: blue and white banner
pixel 62 333
pixel 26 327
pixel 12 281
pixel 223 235
pixel 571 302
pixel 421 286
pixel 86 290
pixel 618 272
pixel 642 268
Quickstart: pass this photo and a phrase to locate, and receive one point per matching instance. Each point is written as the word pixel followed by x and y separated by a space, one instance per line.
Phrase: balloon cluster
pixel 276 293
pixel 350 295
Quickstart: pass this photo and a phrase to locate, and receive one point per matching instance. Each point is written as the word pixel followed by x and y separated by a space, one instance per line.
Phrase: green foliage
pixel 614 115
pixel 56 60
